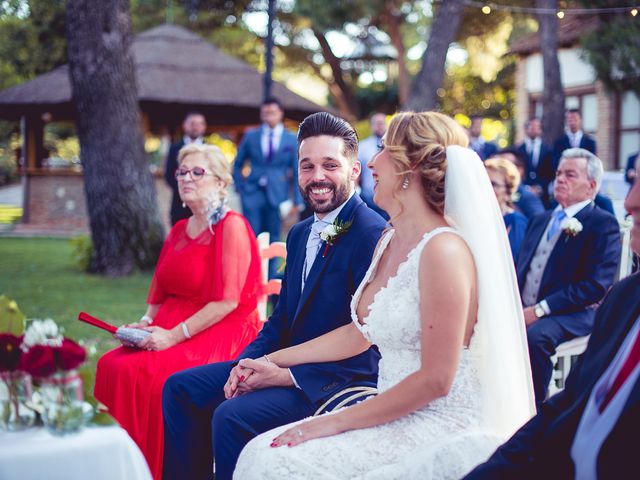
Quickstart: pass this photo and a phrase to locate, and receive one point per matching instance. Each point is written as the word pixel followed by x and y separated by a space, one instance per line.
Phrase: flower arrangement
pixel 45 351
pixel 332 232
pixel 572 227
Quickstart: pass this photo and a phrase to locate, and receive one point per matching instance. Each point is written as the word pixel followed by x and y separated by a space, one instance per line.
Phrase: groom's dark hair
pixel 323 123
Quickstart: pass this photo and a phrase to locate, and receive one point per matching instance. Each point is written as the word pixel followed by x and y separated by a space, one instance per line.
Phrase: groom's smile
pixel 326 176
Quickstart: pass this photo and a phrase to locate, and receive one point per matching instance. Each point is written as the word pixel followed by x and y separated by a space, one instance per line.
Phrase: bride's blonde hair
pixel 417 142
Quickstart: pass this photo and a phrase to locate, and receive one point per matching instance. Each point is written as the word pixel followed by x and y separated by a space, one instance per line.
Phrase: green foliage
pixel 82 251
pixel 613 49
pixel 32 39
pixel 12 320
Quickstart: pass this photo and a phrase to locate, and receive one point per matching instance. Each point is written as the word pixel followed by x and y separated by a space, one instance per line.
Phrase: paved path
pixel 11 194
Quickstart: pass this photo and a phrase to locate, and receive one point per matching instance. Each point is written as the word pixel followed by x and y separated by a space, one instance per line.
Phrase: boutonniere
pixel 332 232
pixel 572 227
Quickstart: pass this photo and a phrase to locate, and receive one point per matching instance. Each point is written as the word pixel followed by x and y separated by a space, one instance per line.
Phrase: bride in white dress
pixel 441 302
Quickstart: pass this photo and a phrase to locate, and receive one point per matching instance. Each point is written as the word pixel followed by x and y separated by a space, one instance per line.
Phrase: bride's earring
pixel 405 182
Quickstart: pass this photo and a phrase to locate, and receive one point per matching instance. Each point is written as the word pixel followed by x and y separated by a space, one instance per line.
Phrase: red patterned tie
pixel 630 363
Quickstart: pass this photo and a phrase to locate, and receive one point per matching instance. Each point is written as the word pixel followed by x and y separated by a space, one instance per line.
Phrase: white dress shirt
pixel 595 427
pixel 264 138
pixel 575 138
pixel 533 149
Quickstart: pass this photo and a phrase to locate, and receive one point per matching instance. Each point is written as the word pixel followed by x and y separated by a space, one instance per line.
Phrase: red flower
pixel 70 355
pixel 44 360
pixel 39 361
pixel 9 352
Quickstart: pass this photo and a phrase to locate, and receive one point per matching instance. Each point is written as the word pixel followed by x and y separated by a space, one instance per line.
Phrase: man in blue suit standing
pixel 590 429
pixel 265 169
pixel 203 415
pixel 568 260
pixel 573 137
pixel 478 144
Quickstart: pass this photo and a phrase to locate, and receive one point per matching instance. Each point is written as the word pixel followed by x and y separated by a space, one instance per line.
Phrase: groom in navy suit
pixel 203 416
pixel 590 429
pixel 568 260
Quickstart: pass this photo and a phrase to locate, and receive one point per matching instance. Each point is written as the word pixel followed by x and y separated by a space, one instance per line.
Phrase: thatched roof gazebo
pixel 177 71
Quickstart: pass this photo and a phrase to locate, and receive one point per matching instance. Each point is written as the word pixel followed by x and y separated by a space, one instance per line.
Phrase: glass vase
pixel 64 410
pixel 15 393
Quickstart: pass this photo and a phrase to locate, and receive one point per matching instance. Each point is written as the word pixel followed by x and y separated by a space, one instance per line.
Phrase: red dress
pixel 190 273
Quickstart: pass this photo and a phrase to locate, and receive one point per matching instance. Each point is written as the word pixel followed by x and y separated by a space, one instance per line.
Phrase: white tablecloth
pixel 95 453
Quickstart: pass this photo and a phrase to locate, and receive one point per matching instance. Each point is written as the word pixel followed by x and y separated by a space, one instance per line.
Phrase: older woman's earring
pixel 184 205
pixel 405 182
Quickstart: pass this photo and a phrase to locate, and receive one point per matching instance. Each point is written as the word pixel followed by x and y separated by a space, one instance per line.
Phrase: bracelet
pixel 185 330
pixel 146 319
pixel 267 358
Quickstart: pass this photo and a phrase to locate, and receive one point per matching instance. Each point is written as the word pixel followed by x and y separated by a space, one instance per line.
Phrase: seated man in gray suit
pixel 568 260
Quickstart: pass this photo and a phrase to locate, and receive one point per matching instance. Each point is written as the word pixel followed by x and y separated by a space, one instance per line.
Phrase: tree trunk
pixel 119 188
pixel 553 93
pixel 342 94
pixel 444 28
pixel 391 18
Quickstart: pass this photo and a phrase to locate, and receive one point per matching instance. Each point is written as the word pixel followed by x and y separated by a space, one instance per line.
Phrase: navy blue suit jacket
pixel 281 172
pixel 631 164
pixel 580 269
pixel 541 448
pixel 178 212
pixel 324 304
pixel 543 172
pixel 562 143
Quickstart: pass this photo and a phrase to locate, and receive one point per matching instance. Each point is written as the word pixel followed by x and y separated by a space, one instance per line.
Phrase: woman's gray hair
pixel 594 164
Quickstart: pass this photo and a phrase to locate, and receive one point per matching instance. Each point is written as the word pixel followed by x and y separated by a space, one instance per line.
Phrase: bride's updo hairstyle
pixel 417 142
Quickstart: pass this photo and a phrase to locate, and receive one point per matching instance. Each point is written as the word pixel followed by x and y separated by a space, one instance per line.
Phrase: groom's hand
pixel 263 375
pixel 237 375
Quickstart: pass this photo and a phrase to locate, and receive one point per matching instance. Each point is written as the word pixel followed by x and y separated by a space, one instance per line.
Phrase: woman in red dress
pixel 201 304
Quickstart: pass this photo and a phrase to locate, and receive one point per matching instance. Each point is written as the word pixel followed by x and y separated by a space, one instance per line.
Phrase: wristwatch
pixel 538 311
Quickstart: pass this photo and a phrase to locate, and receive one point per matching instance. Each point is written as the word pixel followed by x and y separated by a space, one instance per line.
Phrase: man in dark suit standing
pixel 538 170
pixel 573 137
pixel 265 170
pixel 590 429
pixel 631 170
pixel 568 259
pixel 319 280
pixel 193 127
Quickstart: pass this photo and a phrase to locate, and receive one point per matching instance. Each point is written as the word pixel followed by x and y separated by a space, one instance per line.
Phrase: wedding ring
pixel 299 432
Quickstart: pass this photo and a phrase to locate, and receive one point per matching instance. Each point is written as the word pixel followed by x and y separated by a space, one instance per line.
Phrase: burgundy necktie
pixel 630 363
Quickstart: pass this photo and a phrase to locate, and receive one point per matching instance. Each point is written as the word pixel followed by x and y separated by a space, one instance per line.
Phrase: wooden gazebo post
pixel 32 128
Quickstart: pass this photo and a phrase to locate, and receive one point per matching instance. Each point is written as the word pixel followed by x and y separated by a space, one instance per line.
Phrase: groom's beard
pixel 339 195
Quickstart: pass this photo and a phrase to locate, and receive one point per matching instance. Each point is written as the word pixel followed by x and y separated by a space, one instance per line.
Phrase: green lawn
pixel 40 275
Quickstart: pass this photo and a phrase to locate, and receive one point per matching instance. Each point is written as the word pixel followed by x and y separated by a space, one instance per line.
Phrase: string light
pixel 487 8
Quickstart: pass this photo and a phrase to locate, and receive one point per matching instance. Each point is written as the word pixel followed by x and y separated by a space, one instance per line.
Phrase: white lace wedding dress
pixel 443 440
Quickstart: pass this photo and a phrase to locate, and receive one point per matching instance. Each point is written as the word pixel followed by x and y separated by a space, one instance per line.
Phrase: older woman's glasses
pixel 196 173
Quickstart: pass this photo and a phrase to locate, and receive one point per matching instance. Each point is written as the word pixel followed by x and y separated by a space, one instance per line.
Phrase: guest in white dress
pixel 440 301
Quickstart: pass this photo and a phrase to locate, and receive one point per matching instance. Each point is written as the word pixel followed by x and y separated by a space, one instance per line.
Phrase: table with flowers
pixel 40 385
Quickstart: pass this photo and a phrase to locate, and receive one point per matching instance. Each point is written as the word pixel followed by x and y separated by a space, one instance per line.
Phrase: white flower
pixel 572 226
pixel 328 233
pixel 42 332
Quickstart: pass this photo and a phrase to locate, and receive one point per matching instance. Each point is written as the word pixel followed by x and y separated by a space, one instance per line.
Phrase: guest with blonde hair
pixel 201 306
pixel 505 180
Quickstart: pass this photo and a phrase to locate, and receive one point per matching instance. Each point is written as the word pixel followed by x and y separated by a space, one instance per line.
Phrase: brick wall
pixel 57 202
pixel 522 101
pixel 606 134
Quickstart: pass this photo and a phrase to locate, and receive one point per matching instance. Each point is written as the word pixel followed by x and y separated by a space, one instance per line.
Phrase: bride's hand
pixel 324 426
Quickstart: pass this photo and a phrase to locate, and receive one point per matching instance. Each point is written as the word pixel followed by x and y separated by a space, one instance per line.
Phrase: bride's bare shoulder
pixel 446 250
